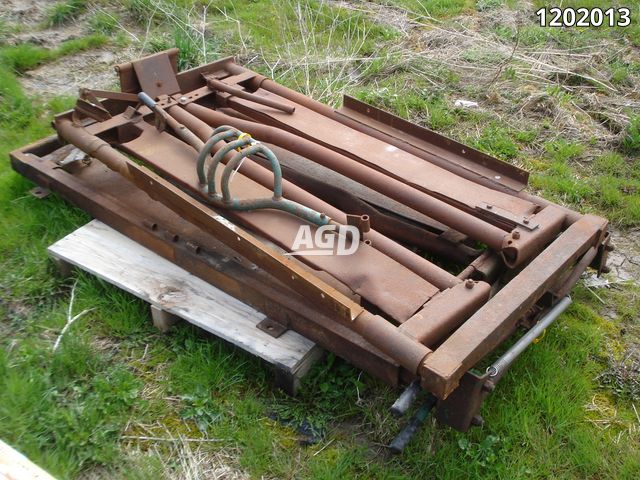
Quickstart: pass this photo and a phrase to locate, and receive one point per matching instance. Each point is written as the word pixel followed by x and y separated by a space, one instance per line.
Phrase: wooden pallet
pixel 174 294
pixel 15 466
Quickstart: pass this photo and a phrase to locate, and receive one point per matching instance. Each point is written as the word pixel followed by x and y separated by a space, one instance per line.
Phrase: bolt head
pixel 489 386
pixel 515 234
pixel 477 421
pixel 469 283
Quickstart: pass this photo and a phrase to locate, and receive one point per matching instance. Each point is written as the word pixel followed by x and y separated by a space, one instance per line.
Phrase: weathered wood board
pixel 15 466
pixel 172 291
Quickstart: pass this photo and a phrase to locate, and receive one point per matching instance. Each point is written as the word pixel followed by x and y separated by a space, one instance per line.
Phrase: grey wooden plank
pixel 107 254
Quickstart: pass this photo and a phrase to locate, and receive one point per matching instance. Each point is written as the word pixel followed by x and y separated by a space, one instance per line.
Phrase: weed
pixel 65 11
pixel 141 10
pixel 497 141
pixel 23 57
pixel 562 151
pixel 80 44
pixel 622 376
pixel 5 29
pixel 631 140
pixel 103 22
pixel 482 5
pixel 437 8
pixel 483 453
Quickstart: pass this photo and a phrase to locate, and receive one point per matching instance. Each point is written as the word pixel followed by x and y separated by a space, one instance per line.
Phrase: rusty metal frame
pixel 535 249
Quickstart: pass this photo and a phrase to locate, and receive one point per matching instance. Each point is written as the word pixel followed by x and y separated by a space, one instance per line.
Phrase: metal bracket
pixel 524 222
pixel 40 192
pixel 273 328
pixel 156 75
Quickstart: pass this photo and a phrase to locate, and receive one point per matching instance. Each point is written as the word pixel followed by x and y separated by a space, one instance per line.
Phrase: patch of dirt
pixel 29 17
pixel 92 69
pixel 24 12
pixel 624 261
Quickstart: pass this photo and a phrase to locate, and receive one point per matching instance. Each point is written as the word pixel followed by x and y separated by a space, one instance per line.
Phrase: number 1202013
pixel 584 17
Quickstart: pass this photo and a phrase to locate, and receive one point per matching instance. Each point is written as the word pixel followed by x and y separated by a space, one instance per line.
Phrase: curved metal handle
pixel 225 200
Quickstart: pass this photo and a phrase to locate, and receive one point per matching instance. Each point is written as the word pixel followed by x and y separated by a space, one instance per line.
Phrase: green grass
pixel 103 22
pixel 439 8
pixel 115 377
pixel 25 56
pixel 65 11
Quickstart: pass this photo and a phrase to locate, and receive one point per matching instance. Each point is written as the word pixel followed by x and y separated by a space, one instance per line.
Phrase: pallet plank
pixel 111 256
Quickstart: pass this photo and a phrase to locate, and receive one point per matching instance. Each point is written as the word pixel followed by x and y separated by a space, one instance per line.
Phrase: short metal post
pixel 406 399
pixel 406 434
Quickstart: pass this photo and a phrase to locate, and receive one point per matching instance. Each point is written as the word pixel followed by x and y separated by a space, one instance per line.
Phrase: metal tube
pixel 183 132
pixel 385 336
pixel 406 399
pixel 406 434
pixel 217 158
pixel 220 133
pixel 496 370
pixel 414 262
pixel 216 84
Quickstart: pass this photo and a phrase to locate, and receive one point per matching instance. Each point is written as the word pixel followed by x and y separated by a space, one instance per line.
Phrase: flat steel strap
pixel 437 147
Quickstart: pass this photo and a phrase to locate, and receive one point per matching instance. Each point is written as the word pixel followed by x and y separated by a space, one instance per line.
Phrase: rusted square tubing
pixel 442 369
pixel 446 311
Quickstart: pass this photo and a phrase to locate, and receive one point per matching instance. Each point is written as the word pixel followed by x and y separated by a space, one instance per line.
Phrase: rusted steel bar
pixel 494 321
pixel 238 92
pixel 260 81
pixel 393 226
pixel 405 350
pixel 569 280
pixel 183 132
pixel 427 270
pixel 487 267
pixel 522 244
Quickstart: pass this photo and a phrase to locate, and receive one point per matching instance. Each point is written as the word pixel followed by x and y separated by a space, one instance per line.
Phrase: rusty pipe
pixel 387 338
pixel 416 199
pixel 216 84
pixel 417 264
